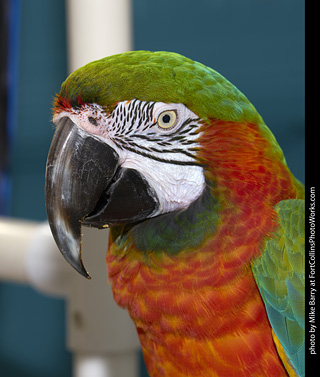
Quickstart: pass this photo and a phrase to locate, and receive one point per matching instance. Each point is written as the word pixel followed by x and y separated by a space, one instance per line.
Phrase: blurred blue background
pixel 257 44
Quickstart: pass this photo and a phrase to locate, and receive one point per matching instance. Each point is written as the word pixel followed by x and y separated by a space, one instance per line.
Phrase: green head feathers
pixel 161 77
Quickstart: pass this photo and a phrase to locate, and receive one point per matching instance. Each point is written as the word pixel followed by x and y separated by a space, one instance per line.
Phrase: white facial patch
pixel 157 139
pixel 176 185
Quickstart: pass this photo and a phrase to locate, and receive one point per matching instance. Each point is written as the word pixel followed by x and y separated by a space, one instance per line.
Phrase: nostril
pixel 93 121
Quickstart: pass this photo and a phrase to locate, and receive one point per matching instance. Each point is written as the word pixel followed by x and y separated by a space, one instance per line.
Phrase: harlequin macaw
pixel 207 229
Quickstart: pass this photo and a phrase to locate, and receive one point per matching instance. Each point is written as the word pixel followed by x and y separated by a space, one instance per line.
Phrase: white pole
pixel 14 238
pixel 97 28
pixel 99 333
pixel 29 255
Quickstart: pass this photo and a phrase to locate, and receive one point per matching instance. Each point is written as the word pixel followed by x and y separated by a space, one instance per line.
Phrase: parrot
pixel 206 248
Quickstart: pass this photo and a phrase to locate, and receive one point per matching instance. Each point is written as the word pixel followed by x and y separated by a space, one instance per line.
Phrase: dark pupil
pixel 166 118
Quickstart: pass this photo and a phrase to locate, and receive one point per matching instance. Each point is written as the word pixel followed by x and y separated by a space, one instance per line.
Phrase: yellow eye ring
pixel 167 119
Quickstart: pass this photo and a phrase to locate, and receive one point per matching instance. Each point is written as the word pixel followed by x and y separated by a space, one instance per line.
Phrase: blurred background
pixel 257 44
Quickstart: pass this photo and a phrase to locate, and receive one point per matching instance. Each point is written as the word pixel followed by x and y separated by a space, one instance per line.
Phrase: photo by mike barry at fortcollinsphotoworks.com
pixel 311 266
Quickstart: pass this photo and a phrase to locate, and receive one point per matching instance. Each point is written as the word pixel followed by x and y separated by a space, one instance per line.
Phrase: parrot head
pixel 133 138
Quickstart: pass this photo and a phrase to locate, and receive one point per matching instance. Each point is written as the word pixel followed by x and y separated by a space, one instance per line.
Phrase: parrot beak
pixel 86 185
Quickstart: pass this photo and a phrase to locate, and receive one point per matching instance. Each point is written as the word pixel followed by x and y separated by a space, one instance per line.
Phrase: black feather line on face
pixel 174 162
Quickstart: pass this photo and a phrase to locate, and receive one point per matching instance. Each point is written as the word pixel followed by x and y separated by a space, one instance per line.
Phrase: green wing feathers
pixel 279 274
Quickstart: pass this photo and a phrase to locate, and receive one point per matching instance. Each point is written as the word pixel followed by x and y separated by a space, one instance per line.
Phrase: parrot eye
pixel 167 119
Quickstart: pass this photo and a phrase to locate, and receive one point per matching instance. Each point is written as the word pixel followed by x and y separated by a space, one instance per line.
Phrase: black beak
pixel 86 185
